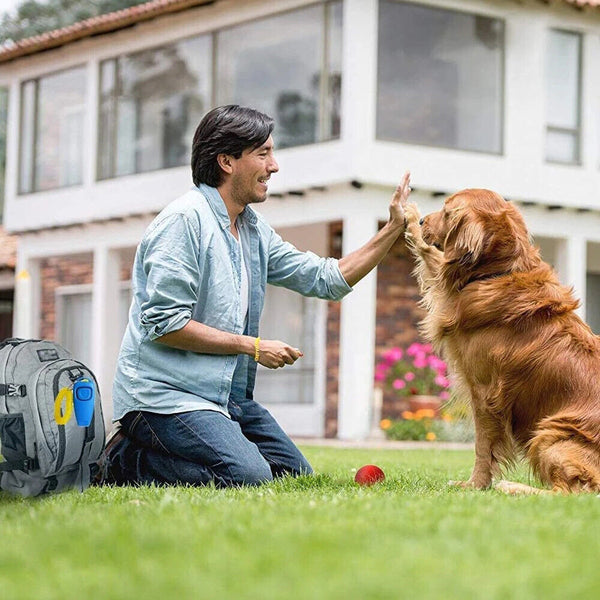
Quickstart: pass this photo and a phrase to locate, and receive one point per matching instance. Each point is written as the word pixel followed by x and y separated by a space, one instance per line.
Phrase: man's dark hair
pixel 229 130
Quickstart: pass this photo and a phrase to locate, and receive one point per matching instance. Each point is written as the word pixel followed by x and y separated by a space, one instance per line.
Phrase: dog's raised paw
pixel 412 213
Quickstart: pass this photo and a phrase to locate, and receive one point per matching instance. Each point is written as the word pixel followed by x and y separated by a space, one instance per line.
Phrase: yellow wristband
pixel 256 349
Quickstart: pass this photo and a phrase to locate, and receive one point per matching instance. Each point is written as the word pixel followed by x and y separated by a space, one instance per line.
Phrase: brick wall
pixel 397 312
pixel 333 342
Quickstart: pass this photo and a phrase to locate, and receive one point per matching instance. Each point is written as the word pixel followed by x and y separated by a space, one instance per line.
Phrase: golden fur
pixel 513 342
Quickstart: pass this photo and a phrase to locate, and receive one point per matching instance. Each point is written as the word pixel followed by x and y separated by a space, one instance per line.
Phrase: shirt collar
pixel 218 207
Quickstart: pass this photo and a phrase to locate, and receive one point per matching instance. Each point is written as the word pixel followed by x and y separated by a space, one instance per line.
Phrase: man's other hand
pixel 274 354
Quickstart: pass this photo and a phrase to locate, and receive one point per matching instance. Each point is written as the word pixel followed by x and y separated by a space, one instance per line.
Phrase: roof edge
pixel 93 26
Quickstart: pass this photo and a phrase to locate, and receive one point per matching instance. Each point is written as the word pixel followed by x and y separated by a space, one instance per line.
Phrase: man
pixel 186 370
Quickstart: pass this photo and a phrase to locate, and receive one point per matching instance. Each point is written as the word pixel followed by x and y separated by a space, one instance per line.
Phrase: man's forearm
pixel 357 264
pixel 197 337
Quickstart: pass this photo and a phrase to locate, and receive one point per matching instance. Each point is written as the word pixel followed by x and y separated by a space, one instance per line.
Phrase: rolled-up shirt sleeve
pixel 304 272
pixel 171 265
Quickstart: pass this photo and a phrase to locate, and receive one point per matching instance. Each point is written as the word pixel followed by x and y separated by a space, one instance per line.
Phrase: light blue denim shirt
pixel 188 266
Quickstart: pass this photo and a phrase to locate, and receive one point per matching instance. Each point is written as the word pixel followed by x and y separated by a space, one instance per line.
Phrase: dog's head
pixel 481 235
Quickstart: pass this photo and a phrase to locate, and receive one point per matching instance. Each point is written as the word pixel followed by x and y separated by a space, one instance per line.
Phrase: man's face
pixel 251 172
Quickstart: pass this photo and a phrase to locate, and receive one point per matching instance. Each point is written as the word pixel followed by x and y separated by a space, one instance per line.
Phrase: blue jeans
pixel 204 446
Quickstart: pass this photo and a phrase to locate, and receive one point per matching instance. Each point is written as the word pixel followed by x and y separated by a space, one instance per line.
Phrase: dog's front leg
pixel 488 434
pixel 429 258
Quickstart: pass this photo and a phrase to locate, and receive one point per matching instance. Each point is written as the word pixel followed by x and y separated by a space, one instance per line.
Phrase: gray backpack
pixel 43 448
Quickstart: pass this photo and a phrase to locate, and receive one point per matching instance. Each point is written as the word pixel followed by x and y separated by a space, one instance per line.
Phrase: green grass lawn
pixel 314 537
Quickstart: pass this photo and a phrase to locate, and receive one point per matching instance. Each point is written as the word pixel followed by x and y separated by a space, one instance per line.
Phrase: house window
pixel 440 77
pixel 295 319
pixel 288 66
pixel 52 123
pixel 563 97
pixel 3 121
pixel 150 105
pixel 74 318
pixel 592 303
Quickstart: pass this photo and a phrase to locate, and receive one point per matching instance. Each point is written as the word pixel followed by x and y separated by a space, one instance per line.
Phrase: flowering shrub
pixel 421 425
pixel 416 371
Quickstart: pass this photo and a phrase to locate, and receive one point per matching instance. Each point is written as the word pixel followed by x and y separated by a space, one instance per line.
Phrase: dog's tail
pixel 564 451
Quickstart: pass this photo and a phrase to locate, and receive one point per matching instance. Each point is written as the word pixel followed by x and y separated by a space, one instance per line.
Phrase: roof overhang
pixel 94 26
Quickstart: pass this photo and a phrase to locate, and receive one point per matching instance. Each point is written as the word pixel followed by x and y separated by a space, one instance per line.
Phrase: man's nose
pixel 273 167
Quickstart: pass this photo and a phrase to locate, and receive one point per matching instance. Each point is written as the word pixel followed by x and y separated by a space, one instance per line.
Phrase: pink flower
pixel 437 364
pixel 379 375
pixel 444 395
pixel 409 376
pixel 442 381
pixel 399 384
pixel 393 355
pixel 414 349
pixel 420 361
pixel 427 348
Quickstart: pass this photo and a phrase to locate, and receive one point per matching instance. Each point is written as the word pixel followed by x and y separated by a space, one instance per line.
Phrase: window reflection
pixel 288 65
pixel 563 66
pixel 52 139
pixel 280 66
pixel 440 77
pixel 151 103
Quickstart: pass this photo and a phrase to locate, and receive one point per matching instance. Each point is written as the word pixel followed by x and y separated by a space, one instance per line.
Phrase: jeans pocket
pixel 130 421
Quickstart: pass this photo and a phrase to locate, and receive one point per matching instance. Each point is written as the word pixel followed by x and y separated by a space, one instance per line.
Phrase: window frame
pixel 502 90
pixel 213 34
pixel 62 291
pixel 35 137
pixel 555 129
pixel 114 99
pixel 4 107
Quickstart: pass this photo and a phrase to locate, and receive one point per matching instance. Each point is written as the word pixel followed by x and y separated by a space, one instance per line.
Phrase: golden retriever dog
pixel 513 342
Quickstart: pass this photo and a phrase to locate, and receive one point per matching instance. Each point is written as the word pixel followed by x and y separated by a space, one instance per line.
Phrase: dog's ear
pixel 466 240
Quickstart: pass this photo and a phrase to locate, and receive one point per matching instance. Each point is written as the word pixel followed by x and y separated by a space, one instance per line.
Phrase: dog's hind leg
pixel 568 465
pixel 519 489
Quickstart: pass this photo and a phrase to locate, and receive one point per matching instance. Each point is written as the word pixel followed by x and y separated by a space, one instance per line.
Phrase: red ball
pixel 368 475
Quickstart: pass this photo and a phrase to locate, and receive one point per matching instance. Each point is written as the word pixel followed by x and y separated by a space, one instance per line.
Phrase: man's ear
pixel 224 161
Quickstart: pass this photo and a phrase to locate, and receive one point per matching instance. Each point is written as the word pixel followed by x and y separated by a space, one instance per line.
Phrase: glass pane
pixel 440 77
pixel 334 61
pixel 561 147
pixel 562 79
pixel 3 120
pixel 28 91
pixel 161 95
pixel 107 118
pixel 274 65
pixel 592 303
pixel 75 325
pixel 289 317
pixel 59 130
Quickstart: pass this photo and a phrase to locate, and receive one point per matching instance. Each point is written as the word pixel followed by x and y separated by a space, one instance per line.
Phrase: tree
pixel 33 17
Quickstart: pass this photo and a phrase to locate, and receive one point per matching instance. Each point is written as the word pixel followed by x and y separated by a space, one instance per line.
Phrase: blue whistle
pixel 84 398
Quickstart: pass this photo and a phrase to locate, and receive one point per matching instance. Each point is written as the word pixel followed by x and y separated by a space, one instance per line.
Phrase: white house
pixel 501 94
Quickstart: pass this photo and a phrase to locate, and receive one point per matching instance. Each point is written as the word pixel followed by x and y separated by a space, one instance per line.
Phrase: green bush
pixel 429 429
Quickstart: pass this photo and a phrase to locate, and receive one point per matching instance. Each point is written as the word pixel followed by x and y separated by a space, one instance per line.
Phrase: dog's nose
pixel 421 221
